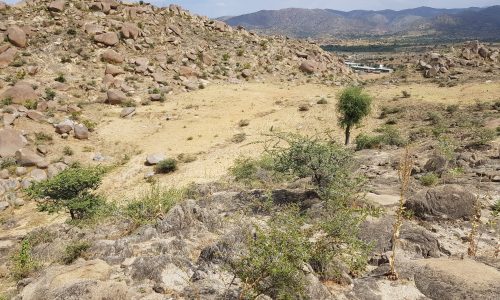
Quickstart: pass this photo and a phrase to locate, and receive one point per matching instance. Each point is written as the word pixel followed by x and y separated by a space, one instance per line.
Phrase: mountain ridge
pixel 471 22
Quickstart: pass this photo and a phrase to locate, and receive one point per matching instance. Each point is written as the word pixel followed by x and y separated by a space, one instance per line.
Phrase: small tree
pixel 353 106
pixel 72 190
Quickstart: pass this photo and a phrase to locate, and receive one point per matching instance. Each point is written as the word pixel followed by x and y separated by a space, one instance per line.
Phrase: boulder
pixel 447 202
pixel 7 56
pixel 436 164
pixel 115 97
pixel 56 6
pixel 130 31
pixel 28 158
pixel 153 159
pixel 188 72
pixel 20 93
pixel 112 56
pixel 113 70
pixel 81 280
pixel 449 279
pixel 483 52
pixel 108 38
pixel 10 141
pixel 38 175
pixel 65 127
pixel 17 36
pixel 309 67
pixel 81 132
pixel 160 77
pixel 127 112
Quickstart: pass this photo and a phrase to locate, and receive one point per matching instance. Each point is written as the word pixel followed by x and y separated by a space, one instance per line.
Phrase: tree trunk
pixel 347 134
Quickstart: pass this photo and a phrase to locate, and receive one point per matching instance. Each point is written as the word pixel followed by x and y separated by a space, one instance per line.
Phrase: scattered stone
pixel 27 158
pixel 56 6
pixel 127 112
pixel 81 132
pixel 20 93
pixel 153 159
pixel 112 56
pixel 115 97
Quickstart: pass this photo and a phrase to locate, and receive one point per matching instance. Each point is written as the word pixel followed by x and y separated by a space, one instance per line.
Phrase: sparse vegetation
pixel 23 263
pixel 429 179
pixel 74 250
pixel 60 78
pixel 388 135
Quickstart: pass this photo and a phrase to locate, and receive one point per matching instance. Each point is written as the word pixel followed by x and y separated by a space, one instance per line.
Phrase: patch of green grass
pixel 23 263
pixel 152 204
pixel 429 179
pixel 74 250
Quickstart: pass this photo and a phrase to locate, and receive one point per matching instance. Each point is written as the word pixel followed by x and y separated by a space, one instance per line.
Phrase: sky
pixel 218 8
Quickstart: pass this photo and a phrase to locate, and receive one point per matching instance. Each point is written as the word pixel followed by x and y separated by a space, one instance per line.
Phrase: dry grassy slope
pixel 211 118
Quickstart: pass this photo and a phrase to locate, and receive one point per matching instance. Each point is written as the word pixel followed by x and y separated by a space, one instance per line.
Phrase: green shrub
pixel 496 208
pixel 248 170
pixel 7 162
pixel 68 151
pixel 60 78
pixel 481 136
pixel 50 94
pixel 6 101
pixel 31 104
pixel 71 190
pixel 151 205
pixel 429 179
pixel 388 135
pixel 42 137
pixel 165 166
pixel 272 264
pixel 74 250
pixel 23 263
pixel 91 125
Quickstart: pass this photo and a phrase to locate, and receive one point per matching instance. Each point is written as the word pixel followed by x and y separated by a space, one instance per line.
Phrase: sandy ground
pixel 202 123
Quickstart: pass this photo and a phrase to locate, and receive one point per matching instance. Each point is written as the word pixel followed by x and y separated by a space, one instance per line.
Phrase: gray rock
pixel 28 158
pixel 4 205
pixel 4 174
pixel 81 132
pixel 10 141
pixel 447 202
pixel 38 175
pixel 436 164
pixel 127 112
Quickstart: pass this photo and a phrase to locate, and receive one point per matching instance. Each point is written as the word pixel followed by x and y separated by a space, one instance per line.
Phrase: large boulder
pixel 82 280
pixel 81 132
pixel 449 279
pixel 310 67
pixel 112 56
pixel 20 93
pixel 7 56
pixel 108 38
pixel 17 36
pixel 130 31
pixel 56 6
pixel 115 97
pixel 447 202
pixel 10 141
pixel 28 158
pixel 437 164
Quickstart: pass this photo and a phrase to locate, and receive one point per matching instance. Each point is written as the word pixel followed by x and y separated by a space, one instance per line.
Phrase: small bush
pixel 155 202
pixel 165 166
pixel 31 104
pixel 429 179
pixel 91 125
pixel 23 263
pixel 406 94
pixel 42 137
pixel 7 162
pixel 60 78
pixel 243 123
pixel 272 264
pixel 452 108
pixel 6 101
pixel 496 208
pixel 389 135
pixel 68 151
pixel 239 138
pixel 50 94
pixel 71 190
pixel 74 250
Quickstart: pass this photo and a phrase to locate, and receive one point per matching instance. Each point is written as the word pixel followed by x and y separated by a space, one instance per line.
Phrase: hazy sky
pixel 217 8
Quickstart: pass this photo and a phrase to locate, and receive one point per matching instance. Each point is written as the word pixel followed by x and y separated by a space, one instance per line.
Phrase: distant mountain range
pixel 473 22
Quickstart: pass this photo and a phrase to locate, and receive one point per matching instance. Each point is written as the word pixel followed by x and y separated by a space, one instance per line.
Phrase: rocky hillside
pixel 448 23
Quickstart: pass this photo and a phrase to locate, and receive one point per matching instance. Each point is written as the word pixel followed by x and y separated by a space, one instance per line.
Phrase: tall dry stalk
pixel 472 250
pixel 405 167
